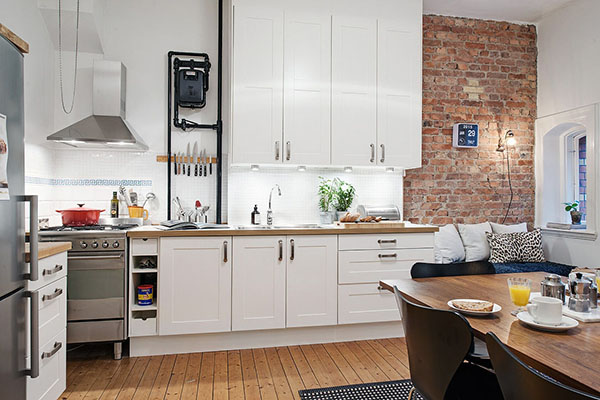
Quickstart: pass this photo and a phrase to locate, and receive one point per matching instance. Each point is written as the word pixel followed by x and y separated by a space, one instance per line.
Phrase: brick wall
pixel 483 72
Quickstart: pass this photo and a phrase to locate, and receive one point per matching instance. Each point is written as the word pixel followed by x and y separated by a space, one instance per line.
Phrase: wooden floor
pixel 272 373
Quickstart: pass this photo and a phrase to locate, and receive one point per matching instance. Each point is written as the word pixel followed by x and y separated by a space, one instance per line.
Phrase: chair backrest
pixel 519 381
pixel 427 270
pixel 438 341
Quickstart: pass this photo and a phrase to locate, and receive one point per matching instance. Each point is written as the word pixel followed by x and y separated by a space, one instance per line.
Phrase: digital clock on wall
pixel 465 135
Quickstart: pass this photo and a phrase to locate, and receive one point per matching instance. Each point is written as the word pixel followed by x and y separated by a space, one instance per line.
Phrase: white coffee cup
pixel 546 310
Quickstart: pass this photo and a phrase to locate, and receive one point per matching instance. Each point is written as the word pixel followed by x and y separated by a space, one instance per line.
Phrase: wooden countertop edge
pixel 279 232
pixel 47 249
pixel 22 45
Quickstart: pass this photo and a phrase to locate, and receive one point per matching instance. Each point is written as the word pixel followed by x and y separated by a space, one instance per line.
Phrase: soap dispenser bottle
pixel 255 216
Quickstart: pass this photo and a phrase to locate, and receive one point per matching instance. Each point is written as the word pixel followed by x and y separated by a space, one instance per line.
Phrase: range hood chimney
pixel 107 126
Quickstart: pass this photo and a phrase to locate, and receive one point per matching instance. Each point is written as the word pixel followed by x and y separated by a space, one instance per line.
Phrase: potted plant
pixel 326 192
pixel 575 213
pixel 343 196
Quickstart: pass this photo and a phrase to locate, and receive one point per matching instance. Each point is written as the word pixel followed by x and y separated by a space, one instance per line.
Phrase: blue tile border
pixel 86 182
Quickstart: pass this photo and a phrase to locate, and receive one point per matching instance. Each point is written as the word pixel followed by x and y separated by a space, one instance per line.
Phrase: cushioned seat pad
pixel 550 267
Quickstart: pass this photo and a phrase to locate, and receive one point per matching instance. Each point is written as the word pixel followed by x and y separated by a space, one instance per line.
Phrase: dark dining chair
pixel 429 270
pixel 520 381
pixel 438 342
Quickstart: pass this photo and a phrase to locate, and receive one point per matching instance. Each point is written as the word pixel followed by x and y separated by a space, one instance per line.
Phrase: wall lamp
pixel 508 140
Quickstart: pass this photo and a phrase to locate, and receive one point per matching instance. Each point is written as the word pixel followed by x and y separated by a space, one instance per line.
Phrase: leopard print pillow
pixel 516 247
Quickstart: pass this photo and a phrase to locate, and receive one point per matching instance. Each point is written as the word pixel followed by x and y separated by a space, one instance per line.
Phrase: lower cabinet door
pixel 194 289
pixel 366 303
pixel 311 280
pixel 258 283
pixel 52 380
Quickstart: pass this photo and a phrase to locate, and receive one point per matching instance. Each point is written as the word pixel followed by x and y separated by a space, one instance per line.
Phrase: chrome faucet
pixel 270 211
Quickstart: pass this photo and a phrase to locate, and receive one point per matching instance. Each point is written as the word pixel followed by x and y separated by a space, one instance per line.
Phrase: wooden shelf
pixel 136 307
pixel 164 158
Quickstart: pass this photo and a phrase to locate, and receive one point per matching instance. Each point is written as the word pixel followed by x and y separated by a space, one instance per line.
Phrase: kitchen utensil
pixel 552 286
pixel 205 163
pixel 546 310
pixel 579 299
pixel 195 158
pixel 565 324
pixel 203 166
pixel 80 216
pixel 175 164
pixel 149 196
pixel 593 291
pixel 125 195
pixel 138 212
pixel 133 196
pixel 179 163
pixel 210 164
pixel 189 159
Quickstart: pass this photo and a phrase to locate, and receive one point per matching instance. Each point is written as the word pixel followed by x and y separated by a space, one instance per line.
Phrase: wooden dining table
pixel 571 357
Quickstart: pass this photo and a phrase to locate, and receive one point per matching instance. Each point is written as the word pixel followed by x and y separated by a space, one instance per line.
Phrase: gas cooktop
pixel 62 228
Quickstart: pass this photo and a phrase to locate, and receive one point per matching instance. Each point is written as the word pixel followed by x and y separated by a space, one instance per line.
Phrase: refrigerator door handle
pixel 33 236
pixel 34 325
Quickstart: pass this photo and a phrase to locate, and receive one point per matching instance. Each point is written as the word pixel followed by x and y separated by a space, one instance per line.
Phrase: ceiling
pixel 505 10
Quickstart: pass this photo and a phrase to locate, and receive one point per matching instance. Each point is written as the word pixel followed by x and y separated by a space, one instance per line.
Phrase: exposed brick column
pixel 483 72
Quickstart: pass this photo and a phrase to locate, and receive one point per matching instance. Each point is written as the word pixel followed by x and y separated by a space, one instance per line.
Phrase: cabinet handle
pixel 292 249
pixel 277 150
pixel 55 349
pixel 382 152
pixel 52 271
pixel 372 153
pixel 34 327
pixel 386 241
pixel 288 149
pixel 52 296
pixel 387 255
pixel 281 250
pixel 33 237
pixel 225 251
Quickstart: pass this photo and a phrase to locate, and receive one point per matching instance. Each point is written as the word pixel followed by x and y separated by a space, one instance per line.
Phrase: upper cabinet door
pixel 399 93
pixel 307 89
pixel 257 86
pixel 354 91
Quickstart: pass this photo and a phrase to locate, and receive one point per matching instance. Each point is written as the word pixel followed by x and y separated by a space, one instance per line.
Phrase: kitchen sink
pixel 253 227
pixel 292 226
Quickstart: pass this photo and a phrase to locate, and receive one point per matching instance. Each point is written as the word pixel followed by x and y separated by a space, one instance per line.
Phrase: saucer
pixel 496 308
pixel 566 323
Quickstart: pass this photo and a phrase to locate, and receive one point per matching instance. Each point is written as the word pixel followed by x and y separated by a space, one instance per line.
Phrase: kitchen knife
pixel 174 163
pixel 202 161
pixel 205 162
pixel 210 164
pixel 189 159
pixel 195 158
pixel 178 163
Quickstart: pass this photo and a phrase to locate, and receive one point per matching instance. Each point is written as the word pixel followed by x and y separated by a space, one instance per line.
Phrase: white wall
pixel 568 65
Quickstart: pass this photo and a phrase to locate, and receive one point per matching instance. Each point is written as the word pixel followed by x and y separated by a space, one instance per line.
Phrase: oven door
pixel 96 286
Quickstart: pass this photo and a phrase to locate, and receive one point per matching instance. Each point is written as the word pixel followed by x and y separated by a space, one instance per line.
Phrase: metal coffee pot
pixel 552 286
pixel 579 299
pixel 593 292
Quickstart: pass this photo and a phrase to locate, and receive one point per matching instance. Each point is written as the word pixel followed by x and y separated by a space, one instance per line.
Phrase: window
pixel 575 170
pixel 582 173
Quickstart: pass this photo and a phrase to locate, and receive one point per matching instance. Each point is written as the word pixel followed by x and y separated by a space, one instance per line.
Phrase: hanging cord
pixel 60 71
pixel 509 184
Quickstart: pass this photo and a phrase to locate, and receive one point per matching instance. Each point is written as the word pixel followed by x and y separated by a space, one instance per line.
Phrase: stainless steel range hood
pixel 107 126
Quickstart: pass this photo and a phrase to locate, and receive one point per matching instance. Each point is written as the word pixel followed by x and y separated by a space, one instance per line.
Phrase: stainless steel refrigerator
pixel 14 300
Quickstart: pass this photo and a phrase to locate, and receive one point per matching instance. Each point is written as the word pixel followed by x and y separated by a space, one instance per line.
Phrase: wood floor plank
pixel 265 380
pixel 76 376
pixel 159 388
pixel 78 388
pixel 109 369
pixel 336 375
pixel 145 386
pixel 390 359
pixel 207 370
pixel 192 377
pixel 381 362
pixel 175 386
pixel 342 364
pixel 235 381
pixel 134 378
pixel 220 390
pixel 116 383
pixel 251 386
pixel 323 375
pixel 402 356
pixel 361 358
pixel 400 344
pixel 282 387
pixel 306 373
pixel 291 372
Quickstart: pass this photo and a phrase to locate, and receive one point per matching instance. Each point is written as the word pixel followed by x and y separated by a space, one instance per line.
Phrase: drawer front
pixel 143 327
pixel 141 247
pixel 96 331
pixel 386 241
pixel 366 303
pixel 371 266
pixel 50 269
pixel 53 370
pixel 53 309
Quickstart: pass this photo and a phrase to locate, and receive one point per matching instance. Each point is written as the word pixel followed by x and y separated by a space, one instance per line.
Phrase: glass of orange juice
pixel 519 288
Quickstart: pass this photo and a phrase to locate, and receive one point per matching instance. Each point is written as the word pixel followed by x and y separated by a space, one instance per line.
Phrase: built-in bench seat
pixel 550 267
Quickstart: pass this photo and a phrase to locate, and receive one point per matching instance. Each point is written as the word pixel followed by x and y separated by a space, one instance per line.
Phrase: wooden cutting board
pixel 371 225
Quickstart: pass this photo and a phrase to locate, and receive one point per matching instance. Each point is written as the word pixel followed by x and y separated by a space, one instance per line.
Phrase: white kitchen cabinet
pixel 257 127
pixel 307 89
pixel 311 280
pixel 194 290
pixel 366 303
pixel 354 91
pixel 258 282
pixel 399 92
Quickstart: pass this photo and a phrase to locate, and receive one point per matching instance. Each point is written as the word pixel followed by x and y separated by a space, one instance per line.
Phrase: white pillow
pixel 499 228
pixel 475 241
pixel 448 246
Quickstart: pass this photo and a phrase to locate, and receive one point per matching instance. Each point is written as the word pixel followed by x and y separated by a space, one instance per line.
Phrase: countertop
pixel 47 249
pixel 154 232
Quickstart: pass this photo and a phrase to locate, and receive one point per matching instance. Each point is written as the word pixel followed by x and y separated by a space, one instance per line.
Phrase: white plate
pixel 566 324
pixel 474 313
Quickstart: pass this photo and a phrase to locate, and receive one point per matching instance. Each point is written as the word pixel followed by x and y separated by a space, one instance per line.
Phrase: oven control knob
pixel 94 245
pixel 105 244
pixel 116 244
pixel 83 244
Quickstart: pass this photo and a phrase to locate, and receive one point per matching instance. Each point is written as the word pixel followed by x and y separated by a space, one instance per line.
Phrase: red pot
pixel 80 216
